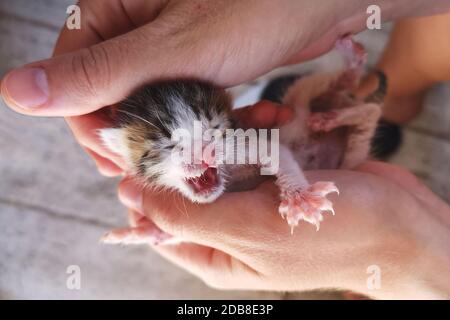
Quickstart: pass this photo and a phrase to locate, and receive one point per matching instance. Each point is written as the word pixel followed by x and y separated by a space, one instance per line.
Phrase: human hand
pixel 384 217
pixel 125 44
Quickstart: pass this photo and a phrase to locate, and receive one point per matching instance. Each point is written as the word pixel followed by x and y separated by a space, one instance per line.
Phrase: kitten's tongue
pixel 205 182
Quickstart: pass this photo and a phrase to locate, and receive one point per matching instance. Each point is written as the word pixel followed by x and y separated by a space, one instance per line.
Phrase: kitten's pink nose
pixel 209 159
pixel 205 165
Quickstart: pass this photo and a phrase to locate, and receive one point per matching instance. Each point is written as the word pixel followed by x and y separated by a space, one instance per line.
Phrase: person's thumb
pixel 86 80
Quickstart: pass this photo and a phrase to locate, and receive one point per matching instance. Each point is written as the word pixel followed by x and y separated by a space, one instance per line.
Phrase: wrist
pixel 431 231
pixel 413 261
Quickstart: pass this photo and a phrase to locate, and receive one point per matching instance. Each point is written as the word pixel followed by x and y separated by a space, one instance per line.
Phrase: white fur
pixel 114 140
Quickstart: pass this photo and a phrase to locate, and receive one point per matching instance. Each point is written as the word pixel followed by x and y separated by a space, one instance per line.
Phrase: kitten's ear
pixel 114 140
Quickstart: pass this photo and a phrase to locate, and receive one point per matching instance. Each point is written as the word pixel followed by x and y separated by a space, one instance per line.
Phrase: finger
pixel 209 224
pixel 85 129
pixel 130 193
pixel 81 70
pixel 261 114
pixel 264 114
pixel 70 84
pixel 285 115
pixel 94 29
pixel 198 259
pixel 213 266
pixel 102 21
pixel 203 261
pixel 141 231
pixel 136 219
pixel 85 80
pixel 105 166
pixel 194 257
pixel 252 216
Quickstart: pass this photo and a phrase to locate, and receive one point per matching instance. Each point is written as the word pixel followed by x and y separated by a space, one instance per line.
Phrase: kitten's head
pixel 164 133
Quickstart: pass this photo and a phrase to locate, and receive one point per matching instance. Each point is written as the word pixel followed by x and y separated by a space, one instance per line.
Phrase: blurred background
pixel 54 206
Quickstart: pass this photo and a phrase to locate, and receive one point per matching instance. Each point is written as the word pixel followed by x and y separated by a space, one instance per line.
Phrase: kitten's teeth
pixel 195 175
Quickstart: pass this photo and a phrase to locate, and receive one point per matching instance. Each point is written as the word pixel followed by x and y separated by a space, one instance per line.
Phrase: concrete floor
pixel 54 205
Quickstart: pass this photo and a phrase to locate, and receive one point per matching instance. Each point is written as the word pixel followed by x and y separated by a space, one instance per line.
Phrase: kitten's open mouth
pixel 206 182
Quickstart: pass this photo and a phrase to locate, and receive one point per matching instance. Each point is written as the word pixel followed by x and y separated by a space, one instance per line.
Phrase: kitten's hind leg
pixel 362 120
pixel 299 199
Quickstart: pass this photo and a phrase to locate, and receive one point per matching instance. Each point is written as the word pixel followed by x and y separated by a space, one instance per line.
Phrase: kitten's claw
pixel 322 121
pixel 148 234
pixel 307 204
pixel 323 188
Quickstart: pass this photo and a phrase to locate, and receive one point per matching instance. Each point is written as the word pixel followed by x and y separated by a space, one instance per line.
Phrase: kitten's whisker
pixel 138 117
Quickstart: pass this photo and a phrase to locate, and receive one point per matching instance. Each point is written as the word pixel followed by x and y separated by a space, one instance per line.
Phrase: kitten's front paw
pixel 307 204
pixel 322 121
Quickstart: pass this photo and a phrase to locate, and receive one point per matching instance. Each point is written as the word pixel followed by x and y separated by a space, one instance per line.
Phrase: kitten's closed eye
pixel 170 147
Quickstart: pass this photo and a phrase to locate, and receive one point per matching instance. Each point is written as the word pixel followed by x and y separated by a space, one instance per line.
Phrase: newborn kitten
pixel 146 123
pixel 331 129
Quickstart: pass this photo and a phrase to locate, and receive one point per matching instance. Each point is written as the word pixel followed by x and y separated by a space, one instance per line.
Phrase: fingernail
pixel 26 87
pixel 130 194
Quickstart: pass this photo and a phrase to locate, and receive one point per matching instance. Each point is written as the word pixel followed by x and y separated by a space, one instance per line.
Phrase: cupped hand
pixel 125 44
pixel 384 218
